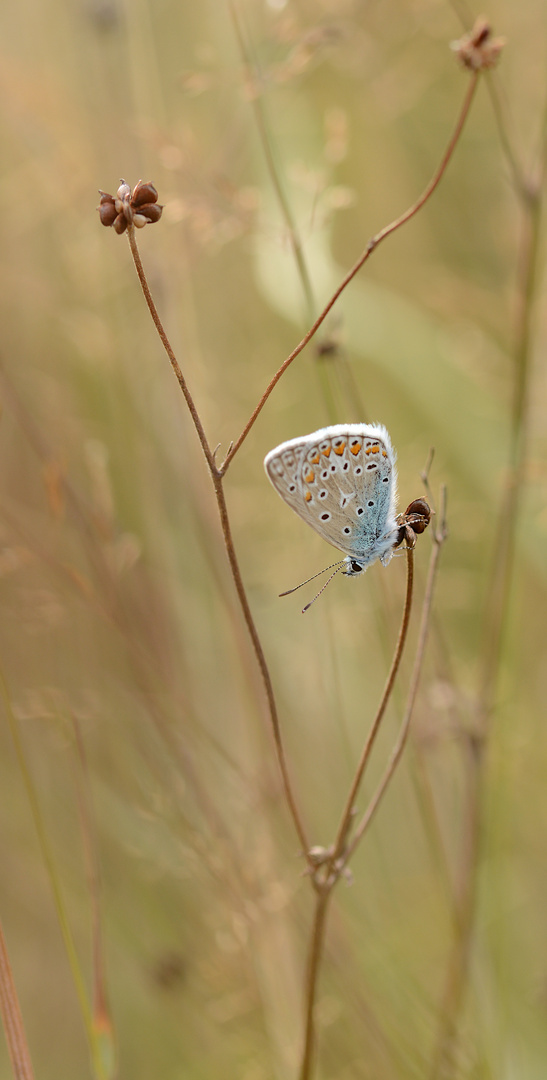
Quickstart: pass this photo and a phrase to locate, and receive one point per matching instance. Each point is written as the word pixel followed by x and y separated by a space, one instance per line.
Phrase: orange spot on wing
pixel 315 460
pixel 356 448
pixel 327 451
pixel 310 477
pixel 340 449
pixel 307 496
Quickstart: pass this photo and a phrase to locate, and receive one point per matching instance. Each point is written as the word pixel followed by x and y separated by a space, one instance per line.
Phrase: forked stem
pixel 329 873
pixel 348 812
pixel 439 537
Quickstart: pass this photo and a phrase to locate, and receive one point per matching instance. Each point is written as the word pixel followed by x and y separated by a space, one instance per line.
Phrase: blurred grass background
pixel 117 607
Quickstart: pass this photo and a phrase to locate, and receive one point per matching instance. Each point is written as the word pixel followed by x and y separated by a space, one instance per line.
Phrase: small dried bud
pixel 151 211
pixel 120 224
pixel 143 193
pixel 123 192
pixel 138 208
pixel 413 522
pixel 107 210
pixel 478 50
pixel 418 514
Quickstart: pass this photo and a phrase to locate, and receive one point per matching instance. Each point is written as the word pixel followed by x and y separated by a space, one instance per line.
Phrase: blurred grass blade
pixel 11 1018
pixel 54 881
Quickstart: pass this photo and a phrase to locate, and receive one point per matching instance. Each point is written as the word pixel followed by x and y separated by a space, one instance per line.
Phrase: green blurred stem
pixel 255 92
pixel 495 622
pixel 49 862
pixel 262 127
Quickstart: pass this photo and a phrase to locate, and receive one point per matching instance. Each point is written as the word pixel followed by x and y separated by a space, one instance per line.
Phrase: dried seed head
pixel 138 208
pixel 413 522
pixel 478 50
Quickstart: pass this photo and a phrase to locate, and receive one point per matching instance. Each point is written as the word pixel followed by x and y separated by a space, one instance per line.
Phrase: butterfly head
pixel 353 567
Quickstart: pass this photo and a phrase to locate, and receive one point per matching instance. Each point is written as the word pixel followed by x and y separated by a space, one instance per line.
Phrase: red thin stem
pixel 371 246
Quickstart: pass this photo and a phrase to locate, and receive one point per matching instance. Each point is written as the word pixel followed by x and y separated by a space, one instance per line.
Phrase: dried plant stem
pixel 314 961
pixel 329 872
pixel 261 660
pixel 217 478
pixel 349 809
pixel 495 621
pixel 12 1020
pixel 167 346
pixel 371 246
pixel 439 537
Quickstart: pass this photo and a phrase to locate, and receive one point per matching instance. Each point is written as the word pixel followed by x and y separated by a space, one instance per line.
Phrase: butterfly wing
pixel 342 481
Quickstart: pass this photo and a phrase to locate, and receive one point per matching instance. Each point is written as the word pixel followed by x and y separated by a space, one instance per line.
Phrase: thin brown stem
pixel 261 659
pixel 371 246
pixel 217 478
pixel 439 537
pixel 167 346
pixel 314 962
pixel 348 812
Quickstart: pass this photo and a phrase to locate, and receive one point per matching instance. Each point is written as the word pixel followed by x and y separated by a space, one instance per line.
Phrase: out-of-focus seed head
pixel 478 50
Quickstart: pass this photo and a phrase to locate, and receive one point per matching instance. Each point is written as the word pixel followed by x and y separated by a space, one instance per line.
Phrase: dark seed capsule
pixel 107 212
pixel 143 193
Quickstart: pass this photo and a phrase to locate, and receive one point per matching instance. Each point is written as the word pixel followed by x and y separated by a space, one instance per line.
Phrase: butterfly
pixel 342 481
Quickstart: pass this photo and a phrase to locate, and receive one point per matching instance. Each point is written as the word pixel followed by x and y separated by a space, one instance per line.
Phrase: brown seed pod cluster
pixel 139 207
pixel 413 522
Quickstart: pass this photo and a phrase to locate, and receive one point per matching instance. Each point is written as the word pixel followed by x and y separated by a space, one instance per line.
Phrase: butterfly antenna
pixel 312 578
pixel 322 589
